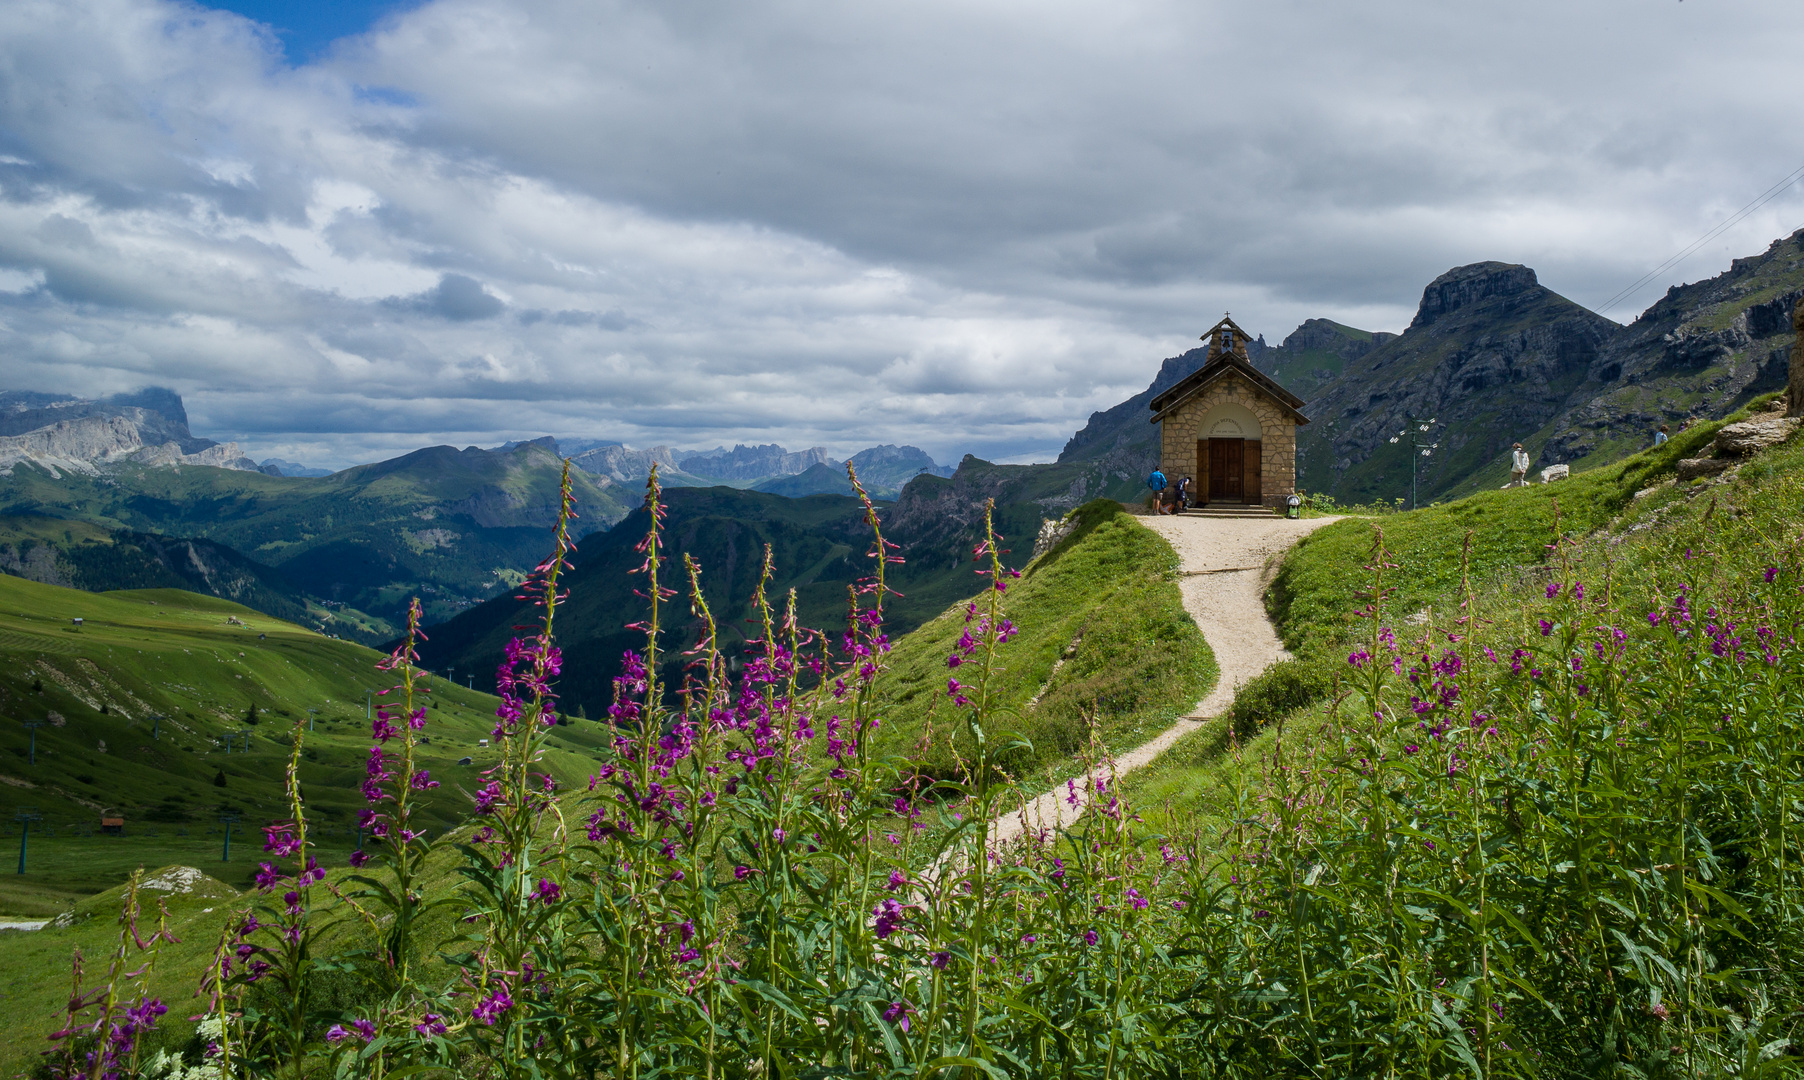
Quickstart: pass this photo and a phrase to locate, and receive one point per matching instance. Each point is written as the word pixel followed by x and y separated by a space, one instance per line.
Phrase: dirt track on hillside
pixel 1223 561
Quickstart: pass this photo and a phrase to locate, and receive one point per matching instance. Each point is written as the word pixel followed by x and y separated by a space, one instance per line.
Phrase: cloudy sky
pixel 343 230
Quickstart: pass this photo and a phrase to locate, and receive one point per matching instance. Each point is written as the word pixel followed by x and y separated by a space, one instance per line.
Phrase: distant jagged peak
pixel 1464 286
pixel 752 462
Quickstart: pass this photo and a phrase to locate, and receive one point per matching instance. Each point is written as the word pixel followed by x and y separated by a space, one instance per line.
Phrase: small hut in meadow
pixel 1230 427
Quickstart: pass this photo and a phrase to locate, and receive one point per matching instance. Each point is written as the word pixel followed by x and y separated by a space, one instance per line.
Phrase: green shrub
pixel 1280 690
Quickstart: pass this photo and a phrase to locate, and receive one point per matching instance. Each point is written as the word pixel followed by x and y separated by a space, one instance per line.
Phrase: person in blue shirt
pixel 1660 436
pixel 1155 483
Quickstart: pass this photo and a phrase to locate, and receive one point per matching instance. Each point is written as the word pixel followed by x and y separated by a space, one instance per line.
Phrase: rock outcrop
pixel 1753 435
pixel 1466 286
pixel 1489 358
pixel 68 435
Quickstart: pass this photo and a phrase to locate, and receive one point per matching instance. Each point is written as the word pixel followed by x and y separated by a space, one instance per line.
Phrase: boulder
pixel 1555 472
pixel 1693 468
pixel 1752 436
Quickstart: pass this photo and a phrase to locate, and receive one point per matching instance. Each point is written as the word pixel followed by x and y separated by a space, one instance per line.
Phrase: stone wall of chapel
pixel 1178 433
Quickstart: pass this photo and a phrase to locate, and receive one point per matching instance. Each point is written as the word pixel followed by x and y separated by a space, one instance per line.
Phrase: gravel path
pixel 1223 562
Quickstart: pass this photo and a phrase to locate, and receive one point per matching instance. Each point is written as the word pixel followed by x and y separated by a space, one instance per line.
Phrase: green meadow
pixel 133 711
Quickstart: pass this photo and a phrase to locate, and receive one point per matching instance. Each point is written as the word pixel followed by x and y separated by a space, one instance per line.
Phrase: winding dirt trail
pixel 1222 561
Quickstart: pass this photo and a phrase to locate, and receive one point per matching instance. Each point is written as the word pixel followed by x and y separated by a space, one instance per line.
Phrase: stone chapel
pixel 1230 428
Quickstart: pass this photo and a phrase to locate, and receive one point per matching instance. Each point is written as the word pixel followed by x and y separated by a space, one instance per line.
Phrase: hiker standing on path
pixel 1183 495
pixel 1156 483
pixel 1518 466
pixel 1660 436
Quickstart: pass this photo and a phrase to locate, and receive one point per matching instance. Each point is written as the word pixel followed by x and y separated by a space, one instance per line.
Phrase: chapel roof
pixel 1227 355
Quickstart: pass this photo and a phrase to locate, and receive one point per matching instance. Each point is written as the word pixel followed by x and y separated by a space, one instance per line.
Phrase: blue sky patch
pixel 307 27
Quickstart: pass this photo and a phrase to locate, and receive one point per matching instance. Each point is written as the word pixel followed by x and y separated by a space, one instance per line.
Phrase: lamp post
pixel 32 726
pixel 156 720
pixel 311 713
pixel 25 816
pixel 228 820
pixel 1418 448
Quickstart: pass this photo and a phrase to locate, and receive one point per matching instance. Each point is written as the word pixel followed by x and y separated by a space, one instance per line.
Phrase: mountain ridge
pixel 1495 357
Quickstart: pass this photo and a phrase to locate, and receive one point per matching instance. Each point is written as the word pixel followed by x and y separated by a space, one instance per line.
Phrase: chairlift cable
pixel 1732 220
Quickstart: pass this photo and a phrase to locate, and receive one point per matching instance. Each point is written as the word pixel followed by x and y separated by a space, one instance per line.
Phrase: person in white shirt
pixel 1518 466
pixel 1660 436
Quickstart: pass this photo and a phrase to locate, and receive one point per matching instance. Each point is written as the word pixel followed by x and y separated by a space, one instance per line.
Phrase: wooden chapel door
pixel 1225 464
pixel 1249 486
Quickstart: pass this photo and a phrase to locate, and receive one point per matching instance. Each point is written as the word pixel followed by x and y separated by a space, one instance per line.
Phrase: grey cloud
pixel 455 297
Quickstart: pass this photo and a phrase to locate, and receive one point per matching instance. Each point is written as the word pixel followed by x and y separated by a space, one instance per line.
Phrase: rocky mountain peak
pixel 1464 286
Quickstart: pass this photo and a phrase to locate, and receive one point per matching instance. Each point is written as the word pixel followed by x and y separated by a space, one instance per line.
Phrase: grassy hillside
pixel 1105 648
pixel 201 664
pixel 1324 582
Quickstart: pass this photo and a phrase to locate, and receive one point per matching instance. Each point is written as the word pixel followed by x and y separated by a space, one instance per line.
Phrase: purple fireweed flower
pixel 1136 899
pixel 740 873
pixel 489 1009
pixel 359 858
pixel 1359 658
pixel 897 879
pixel 1553 590
pixel 267 877
pixel 1578 591
pixel 548 891
pixel 939 959
pixel 1546 627
pixel 337 1033
pixel 1090 937
pixel 898 1014
pixel 365 1028
pixel 423 781
pixel 431 1024
pixel 1771 573
pixel 381 729
pixel 890 915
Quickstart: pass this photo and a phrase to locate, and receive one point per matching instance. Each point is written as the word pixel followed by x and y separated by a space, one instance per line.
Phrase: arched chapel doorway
pixel 1228 448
